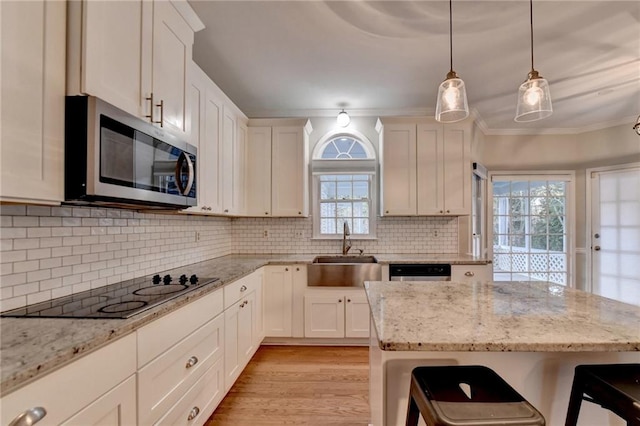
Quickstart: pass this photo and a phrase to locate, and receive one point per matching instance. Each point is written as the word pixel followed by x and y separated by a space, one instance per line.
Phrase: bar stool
pixel 466 395
pixel 615 387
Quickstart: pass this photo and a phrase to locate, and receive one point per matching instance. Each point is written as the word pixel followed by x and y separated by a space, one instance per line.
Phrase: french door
pixel 614 254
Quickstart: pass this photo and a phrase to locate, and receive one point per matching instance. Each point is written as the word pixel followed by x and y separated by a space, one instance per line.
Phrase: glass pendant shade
pixel 343 119
pixel 452 100
pixel 534 99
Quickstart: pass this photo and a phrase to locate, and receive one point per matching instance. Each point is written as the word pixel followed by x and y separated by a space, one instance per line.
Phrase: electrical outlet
pixel 197 236
pixel 265 234
pixel 435 234
pixel 297 234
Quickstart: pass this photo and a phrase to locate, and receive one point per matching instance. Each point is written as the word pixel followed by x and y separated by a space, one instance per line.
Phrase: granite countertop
pixel 498 317
pixel 32 347
pixel 453 259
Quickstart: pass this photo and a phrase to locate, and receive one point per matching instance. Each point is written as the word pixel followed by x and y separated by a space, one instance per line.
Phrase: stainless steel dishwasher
pixel 420 272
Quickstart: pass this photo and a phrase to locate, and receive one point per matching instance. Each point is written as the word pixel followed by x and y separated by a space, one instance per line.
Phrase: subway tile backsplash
pixel 49 252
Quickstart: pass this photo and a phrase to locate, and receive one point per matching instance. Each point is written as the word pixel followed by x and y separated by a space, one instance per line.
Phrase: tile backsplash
pixel 49 252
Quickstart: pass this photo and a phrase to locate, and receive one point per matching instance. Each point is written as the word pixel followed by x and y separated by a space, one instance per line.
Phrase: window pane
pixel 357 151
pixel 360 226
pixel 327 226
pixel 360 190
pixel 361 209
pixel 344 210
pixel 343 144
pixel 327 190
pixel 344 190
pixel 539 242
pixel 328 210
pixel 519 188
pixel 330 151
pixel 556 242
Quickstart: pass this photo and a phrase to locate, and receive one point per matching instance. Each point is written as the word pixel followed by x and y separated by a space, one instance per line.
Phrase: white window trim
pixel 568 176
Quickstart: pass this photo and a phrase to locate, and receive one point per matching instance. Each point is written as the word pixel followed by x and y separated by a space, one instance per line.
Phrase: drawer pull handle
pixel 469 274
pixel 29 417
pixel 194 412
pixel 192 361
pixel 243 288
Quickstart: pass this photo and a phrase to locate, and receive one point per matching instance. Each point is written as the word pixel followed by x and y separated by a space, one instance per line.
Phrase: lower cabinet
pixel 242 325
pixel 336 313
pixel 83 392
pixel 471 273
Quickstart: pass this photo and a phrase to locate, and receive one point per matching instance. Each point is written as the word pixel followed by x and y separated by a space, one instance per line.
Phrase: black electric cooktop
pixel 118 301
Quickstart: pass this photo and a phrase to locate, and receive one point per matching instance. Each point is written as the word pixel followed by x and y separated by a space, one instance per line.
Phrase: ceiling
pixel 379 58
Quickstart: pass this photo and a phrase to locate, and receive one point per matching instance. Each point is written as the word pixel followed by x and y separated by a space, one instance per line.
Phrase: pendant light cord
pixel 451 37
pixel 531 15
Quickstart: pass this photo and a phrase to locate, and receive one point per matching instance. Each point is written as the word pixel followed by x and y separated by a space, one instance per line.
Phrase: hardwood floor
pixel 299 385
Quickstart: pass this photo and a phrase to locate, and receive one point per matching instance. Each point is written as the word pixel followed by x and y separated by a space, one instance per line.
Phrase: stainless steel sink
pixel 343 271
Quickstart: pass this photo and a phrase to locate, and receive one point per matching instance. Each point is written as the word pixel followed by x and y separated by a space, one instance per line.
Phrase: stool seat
pixel 466 395
pixel 615 387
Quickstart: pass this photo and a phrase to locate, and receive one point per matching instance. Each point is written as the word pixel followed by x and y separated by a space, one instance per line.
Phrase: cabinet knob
pixel 193 413
pixel 266 212
pixel 209 208
pixel 339 300
pixel 348 300
pixel 286 269
pixel 386 211
pixel 243 288
pixel 447 211
pixel 469 274
pixel 297 269
pixel 226 210
pixel 299 212
pixel 29 417
pixel 441 211
pixel 192 361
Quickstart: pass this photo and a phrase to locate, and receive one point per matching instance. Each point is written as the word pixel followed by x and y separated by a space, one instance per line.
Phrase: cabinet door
pixel 258 183
pixel 115 408
pixel 32 114
pixel 357 317
pixel 209 154
pixel 430 169
pixel 112 56
pixel 172 46
pixel 299 288
pixel 471 273
pixel 258 312
pixel 289 183
pixel 232 353
pixel 324 314
pixel 228 166
pixel 278 291
pixel 246 343
pixel 399 170
pixel 239 161
pixel 457 171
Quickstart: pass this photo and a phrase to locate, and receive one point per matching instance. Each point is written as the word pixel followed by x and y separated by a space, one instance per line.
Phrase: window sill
pixel 339 238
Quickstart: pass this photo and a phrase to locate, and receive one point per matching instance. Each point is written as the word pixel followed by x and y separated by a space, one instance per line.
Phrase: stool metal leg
pixel 413 413
pixel 575 401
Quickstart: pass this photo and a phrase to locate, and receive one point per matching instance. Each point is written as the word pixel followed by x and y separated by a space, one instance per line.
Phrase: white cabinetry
pixel 336 313
pixel 426 168
pixel 135 55
pixel 232 166
pixel 241 333
pixel 32 114
pixel 288 145
pixel 84 392
pixel 283 292
pixel 471 273
pixel 179 355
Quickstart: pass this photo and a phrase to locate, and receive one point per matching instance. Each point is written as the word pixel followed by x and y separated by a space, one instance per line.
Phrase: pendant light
pixel 343 119
pixel 452 95
pixel 534 99
pixel 637 126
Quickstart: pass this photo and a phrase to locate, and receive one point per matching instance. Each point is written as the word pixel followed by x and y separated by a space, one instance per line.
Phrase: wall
pixel 50 252
pixel 615 145
pixel 394 235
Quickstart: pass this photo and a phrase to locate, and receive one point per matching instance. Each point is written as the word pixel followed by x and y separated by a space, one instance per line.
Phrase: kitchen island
pixel 531 333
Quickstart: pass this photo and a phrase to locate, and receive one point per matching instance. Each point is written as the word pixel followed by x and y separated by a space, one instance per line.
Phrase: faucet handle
pixel 361 252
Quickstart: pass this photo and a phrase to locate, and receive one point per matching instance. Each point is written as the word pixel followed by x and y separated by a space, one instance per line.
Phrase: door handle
pixel 184 158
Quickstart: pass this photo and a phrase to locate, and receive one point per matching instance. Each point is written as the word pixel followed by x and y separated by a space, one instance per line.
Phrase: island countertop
pixel 499 317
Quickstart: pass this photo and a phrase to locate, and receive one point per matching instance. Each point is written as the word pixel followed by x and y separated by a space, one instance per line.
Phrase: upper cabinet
pixel 135 55
pixel 32 113
pixel 426 168
pixel 285 143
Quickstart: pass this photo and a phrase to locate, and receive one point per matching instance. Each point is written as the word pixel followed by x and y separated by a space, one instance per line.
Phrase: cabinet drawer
pixel 158 336
pixel 164 380
pixel 200 401
pixel 238 289
pixel 471 273
pixel 70 389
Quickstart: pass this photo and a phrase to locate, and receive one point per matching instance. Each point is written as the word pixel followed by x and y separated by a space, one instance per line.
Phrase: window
pixel 531 228
pixel 344 187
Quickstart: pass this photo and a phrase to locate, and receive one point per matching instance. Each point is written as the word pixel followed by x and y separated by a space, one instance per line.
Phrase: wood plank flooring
pixel 299 385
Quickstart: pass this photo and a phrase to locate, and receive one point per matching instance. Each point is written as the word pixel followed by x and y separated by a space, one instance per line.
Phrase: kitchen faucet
pixel 345 232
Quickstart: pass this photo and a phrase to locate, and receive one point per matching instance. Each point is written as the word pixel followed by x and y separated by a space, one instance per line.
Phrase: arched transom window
pixel 344 187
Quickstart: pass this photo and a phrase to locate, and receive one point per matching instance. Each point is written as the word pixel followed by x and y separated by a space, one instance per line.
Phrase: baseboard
pixel 315 342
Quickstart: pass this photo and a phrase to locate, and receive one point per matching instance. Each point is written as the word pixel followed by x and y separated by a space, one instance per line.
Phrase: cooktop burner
pixel 121 300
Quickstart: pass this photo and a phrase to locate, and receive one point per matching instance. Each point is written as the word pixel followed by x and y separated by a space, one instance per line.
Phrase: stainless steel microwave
pixel 115 159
